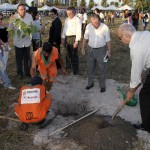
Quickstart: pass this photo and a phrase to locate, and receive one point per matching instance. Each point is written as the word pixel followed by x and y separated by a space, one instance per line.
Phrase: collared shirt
pixel 26 41
pixel 97 37
pixel 84 18
pixel 72 27
pixel 140 56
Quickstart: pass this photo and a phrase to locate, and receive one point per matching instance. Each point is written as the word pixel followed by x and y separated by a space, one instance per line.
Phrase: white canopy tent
pixel 55 8
pixel 7 6
pixel 111 8
pixel 44 8
pixel 125 7
pixel 99 7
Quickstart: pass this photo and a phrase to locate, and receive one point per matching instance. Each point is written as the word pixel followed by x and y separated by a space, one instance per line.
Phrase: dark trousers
pixel 144 97
pixel 83 28
pixel 146 23
pixel 23 56
pixel 72 59
pixel 57 61
pixel 36 43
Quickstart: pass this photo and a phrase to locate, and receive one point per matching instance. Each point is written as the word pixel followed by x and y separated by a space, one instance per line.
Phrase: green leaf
pixel 19 33
pixel 23 36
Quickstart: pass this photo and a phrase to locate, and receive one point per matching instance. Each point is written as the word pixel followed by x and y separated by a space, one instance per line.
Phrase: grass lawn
pixel 11 137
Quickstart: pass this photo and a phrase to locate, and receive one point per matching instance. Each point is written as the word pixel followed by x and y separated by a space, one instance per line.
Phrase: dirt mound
pixel 96 133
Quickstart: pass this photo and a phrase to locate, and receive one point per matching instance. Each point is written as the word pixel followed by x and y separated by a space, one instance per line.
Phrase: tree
pixel 126 2
pixel 13 1
pixel 73 3
pixel 83 3
pixel 32 4
pixel 116 4
pixel 57 2
pixel 91 4
pixel 112 3
pixel 104 3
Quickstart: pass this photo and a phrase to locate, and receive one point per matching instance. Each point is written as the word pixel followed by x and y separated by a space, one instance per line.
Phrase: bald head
pixel 125 32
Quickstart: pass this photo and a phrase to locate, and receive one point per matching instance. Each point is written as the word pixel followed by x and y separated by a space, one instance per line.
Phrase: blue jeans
pixel 3 73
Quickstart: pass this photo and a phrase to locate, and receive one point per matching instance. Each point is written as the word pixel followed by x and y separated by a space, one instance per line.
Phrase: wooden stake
pixel 8 118
pixel 73 122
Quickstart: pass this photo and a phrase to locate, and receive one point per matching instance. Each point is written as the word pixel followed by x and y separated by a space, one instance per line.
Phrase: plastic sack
pixel 132 102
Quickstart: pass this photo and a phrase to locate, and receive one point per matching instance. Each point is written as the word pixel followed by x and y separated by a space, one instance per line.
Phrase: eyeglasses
pixel 120 38
pixel 51 14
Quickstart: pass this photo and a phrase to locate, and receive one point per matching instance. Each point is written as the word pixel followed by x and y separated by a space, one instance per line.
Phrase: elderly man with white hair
pixel 140 57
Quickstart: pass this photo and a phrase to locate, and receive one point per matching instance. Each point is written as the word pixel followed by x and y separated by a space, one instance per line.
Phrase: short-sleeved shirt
pixel 97 37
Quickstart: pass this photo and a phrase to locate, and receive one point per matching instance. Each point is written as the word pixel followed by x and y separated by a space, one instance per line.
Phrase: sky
pixel 96 1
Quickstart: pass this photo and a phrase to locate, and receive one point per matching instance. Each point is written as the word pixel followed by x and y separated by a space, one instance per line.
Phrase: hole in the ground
pixel 103 124
pixel 71 109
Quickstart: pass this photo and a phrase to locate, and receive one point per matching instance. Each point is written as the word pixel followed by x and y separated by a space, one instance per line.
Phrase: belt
pixel 71 36
pixel 96 48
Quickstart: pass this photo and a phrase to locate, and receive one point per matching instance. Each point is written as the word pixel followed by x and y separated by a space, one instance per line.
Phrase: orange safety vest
pixel 47 69
pixel 34 104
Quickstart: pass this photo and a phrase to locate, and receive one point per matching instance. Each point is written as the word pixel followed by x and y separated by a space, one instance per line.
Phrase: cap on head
pixel 47 47
pixel 37 80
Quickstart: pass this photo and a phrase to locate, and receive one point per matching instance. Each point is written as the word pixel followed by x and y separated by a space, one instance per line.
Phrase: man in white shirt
pixel 72 35
pixel 22 44
pixel 98 36
pixel 140 57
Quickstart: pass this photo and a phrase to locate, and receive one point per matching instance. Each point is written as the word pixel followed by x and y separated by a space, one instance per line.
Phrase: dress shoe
pixel 138 126
pixel 76 72
pixel 103 90
pixel 89 86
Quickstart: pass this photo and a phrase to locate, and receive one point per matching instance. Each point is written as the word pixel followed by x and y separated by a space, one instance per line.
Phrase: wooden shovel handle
pixel 8 118
pixel 119 108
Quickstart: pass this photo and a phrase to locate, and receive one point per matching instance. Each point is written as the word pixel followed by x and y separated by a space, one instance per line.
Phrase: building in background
pixel 41 2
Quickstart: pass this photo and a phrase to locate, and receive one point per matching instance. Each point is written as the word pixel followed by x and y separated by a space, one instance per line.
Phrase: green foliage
pixel 91 4
pixel 104 3
pixel 57 2
pixel 73 3
pixel 21 29
pixel 13 1
pixel 83 3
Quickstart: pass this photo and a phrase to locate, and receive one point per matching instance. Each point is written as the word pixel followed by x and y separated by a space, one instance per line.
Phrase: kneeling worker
pixel 45 58
pixel 34 103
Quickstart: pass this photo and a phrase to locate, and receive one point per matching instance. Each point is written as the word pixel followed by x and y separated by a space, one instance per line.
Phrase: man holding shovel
pixel 140 57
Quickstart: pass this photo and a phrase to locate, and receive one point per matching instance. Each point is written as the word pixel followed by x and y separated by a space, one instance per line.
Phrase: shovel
pixel 119 108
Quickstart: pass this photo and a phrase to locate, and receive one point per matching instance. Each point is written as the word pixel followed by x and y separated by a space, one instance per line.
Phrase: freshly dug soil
pixel 96 133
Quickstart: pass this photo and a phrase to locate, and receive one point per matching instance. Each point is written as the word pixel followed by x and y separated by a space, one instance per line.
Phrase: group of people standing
pixel 135 18
pixel 97 37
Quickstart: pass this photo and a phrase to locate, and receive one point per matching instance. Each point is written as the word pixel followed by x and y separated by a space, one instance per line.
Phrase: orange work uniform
pixel 34 103
pixel 47 69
